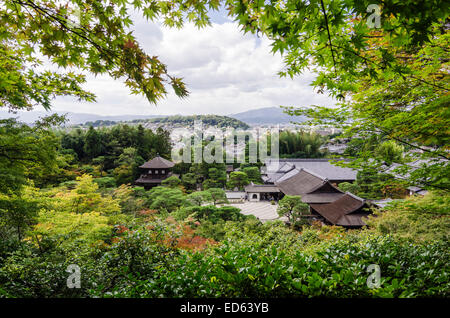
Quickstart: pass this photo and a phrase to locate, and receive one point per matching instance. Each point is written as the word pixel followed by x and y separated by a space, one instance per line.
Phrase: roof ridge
pixel 158 160
pixel 317 187
pixel 313 173
pixel 355 196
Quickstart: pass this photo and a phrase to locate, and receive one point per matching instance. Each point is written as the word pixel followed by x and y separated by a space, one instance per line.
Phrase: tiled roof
pixel 272 177
pixel 341 211
pixel 235 194
pixel 158 163
pixel 322 167
pixel 149 181
pixel 298 182
pixel 321 197
pixel 261 188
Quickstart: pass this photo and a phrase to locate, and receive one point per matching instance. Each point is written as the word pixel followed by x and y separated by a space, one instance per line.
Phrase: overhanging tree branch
pixel 329 35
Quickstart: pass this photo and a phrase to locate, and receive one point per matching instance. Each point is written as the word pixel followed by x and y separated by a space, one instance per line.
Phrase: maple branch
pixel 329 36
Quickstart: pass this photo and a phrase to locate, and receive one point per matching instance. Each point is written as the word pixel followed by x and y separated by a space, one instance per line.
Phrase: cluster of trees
pixel 392 82
pixel 129 242
pixel 301 144
pixel 294 209
pixel 115 152
pixel 207 120
pixel 100 123
pixel 371 184
pixel 214 175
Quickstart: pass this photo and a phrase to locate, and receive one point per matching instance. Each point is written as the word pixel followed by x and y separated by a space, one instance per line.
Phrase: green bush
pixel 417 218
pixel 247 269
pixel 215 214
pixel 105 182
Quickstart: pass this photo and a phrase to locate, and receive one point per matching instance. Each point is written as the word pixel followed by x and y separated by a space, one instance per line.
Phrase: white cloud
pixel 226 72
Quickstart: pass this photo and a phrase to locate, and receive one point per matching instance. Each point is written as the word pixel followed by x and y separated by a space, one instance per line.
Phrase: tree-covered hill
pixel 209 120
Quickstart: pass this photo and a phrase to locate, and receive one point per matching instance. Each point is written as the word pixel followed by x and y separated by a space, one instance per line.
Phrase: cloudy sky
pixel 226 72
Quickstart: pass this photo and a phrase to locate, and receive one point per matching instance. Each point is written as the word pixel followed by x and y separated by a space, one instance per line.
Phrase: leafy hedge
pixel 254 269
pixel 140 265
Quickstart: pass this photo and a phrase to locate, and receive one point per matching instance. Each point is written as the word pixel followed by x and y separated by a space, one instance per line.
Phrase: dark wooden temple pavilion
pixel 348 211
pixel 154 172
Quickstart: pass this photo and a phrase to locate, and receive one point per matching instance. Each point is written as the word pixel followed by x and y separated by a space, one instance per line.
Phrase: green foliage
pixel 166 199
pixel 98 41
pixel 218 175
pixel 300 144
pixel 23 86
pixel 85 198
pixel 395 82
pixel 371 184
pixel 127 166
pixel 92 144
pixel 105 182
pixel 208 120
pixel 214 214
pixel 253 260
pixel 200 197
pixel 248 269
pixel 337 36
pixel 131 200
pixel 17 214
pixel 349 187
pixel 171 182
pixel 25 152
pixel 210 184
pixel 416 218
pixel 33 272
pixel 189 181
pixel 399 112
pixel 217 195
pixel 253 174
pixel 117 145
pixel 390 151
pixel 79 228
pixel 117 151
pixel 292 207
pixel 238 180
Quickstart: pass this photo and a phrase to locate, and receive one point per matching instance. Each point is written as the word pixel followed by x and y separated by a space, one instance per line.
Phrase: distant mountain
pixel 74 118
pixel 268 115
pixel 261 116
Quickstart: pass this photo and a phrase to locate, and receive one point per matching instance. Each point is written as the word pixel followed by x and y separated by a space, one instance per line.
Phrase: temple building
pixel 154 172
pixel 257 192
pixel 277 168
pixel 348 211
pixel 315 181
pixel 311 187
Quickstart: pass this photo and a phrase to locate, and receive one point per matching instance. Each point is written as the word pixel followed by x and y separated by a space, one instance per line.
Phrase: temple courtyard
pixel 263 210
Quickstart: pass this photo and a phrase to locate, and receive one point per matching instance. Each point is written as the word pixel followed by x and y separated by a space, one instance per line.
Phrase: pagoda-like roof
pixel 299 182
pixel 158 163
pixel 346 211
